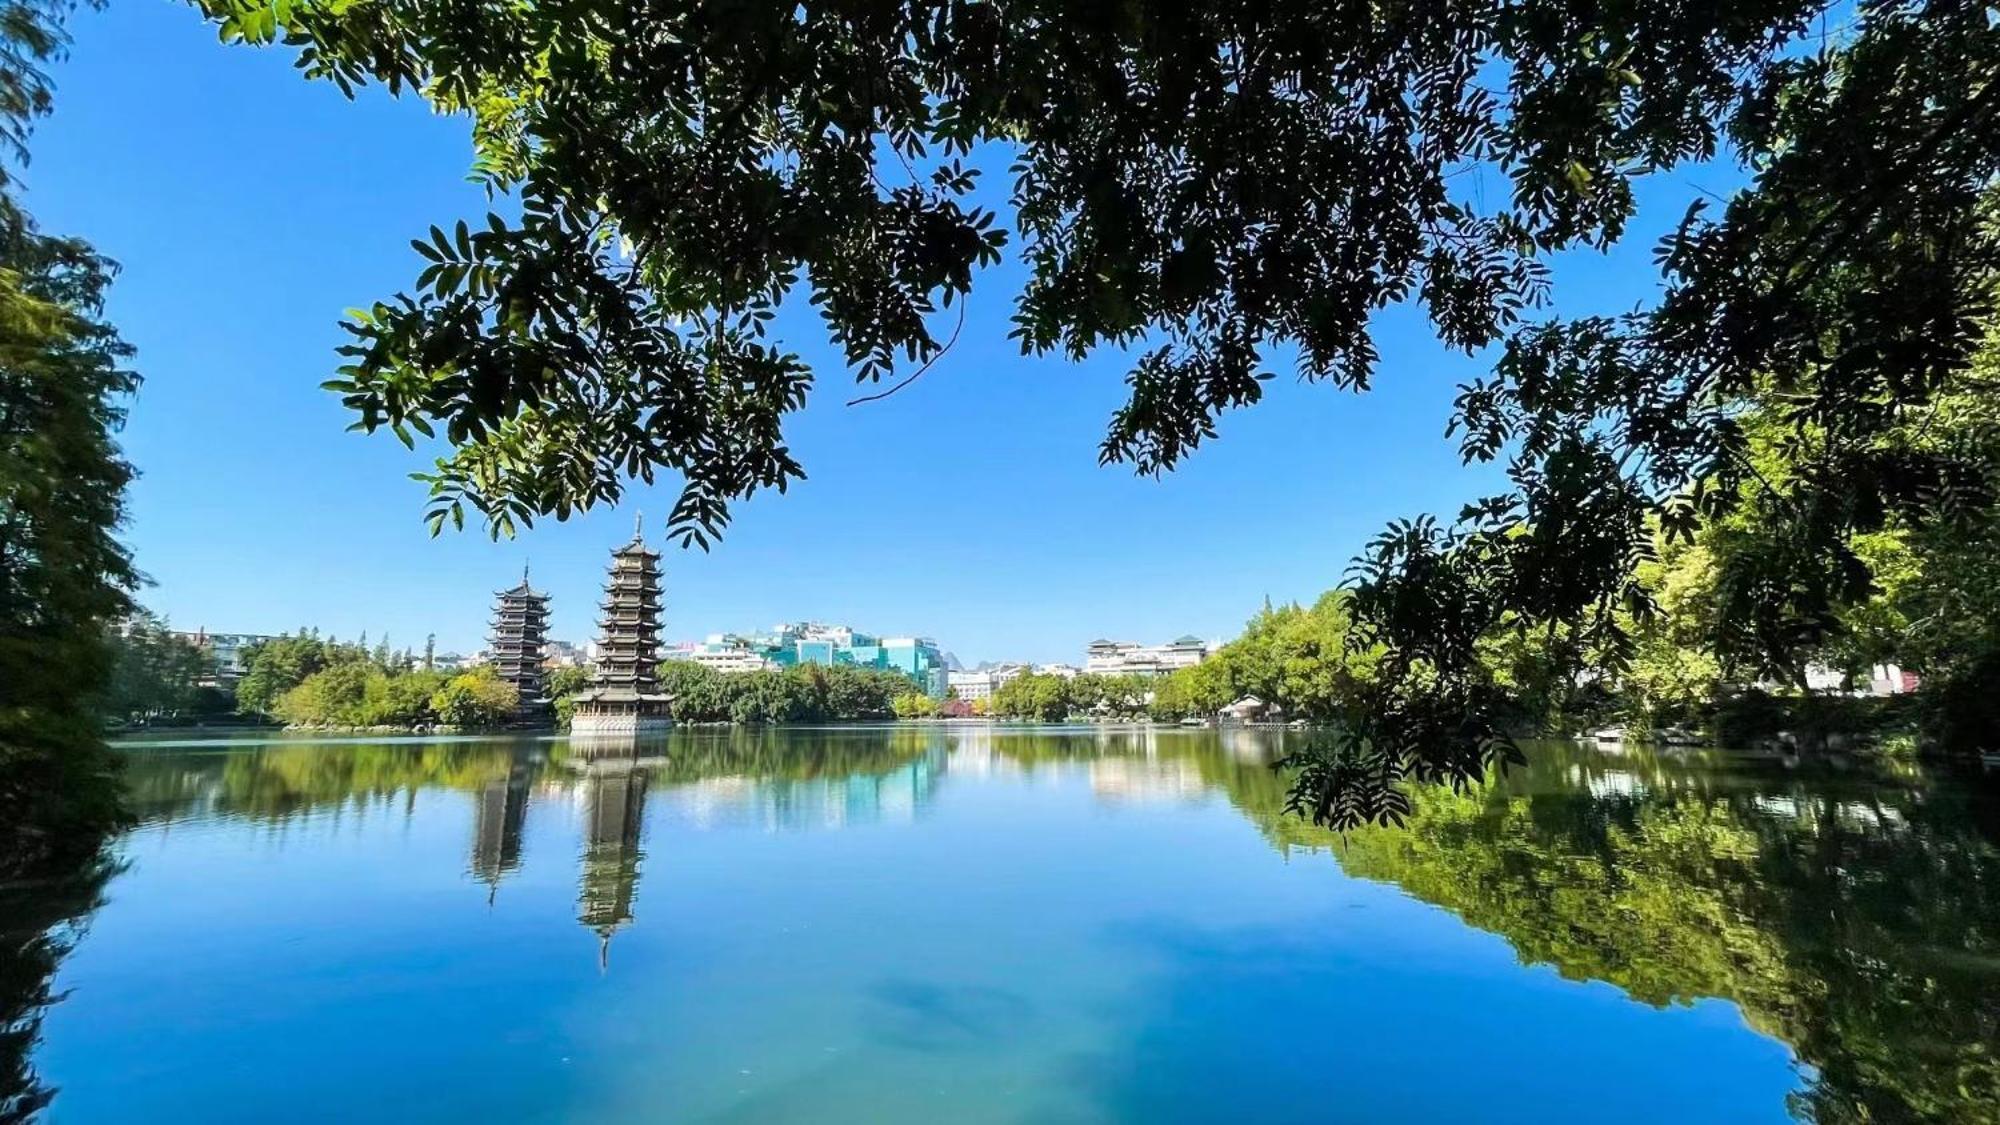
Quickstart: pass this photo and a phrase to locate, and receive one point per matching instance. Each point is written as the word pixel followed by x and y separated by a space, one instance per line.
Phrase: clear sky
pixel 249 207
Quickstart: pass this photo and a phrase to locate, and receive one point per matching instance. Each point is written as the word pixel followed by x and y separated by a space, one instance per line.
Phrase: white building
pixel 1126 658
pixel 981 683
pixel 729 660
pixel 227 651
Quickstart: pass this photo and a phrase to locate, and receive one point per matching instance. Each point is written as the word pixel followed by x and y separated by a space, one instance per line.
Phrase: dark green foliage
pixel 1810 721
pixel 156 673
pixel 277 666
pixel 563 685
pixel 1217 179
pixel 1207 182
pixel 807 693
pixel 1961 711
pixel 64 578
pixel 1051 698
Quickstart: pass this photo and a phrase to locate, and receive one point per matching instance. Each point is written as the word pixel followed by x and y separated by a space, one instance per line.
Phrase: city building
pixel 564 654
pixel 729 654
pixel 981 683
pixel 792 644
pixel 1126 658
pixel 228 654
pixel 624 696
pixel 520 634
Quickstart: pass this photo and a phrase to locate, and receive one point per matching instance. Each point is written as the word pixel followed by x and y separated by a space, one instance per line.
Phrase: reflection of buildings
pixel 498 816
pixel 895 797
pixel 614 801
pixel 1143 780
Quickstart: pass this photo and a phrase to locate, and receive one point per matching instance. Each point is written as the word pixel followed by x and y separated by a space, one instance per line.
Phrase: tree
pixel 64 578
pixel 154 670
pixel 479 698
pixel 1224 182
pixel 1043 696
pixel 563 685
pixel 334 696
pixel 275 667
pixel 914 705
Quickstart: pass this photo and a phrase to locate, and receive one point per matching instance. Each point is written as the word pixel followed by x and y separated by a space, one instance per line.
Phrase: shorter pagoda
pixel 624 697
pixel 519 640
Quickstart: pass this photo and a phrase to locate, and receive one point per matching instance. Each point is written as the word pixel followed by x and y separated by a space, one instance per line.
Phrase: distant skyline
pixel 249 207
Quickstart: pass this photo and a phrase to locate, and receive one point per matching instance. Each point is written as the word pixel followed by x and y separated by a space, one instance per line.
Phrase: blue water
pixel 967 924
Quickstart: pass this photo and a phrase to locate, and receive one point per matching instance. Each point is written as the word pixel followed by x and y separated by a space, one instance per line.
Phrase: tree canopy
pixel 1214 186
pixel 64 577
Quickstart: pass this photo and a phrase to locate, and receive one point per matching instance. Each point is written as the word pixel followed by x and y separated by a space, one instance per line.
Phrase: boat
pixel 1609 734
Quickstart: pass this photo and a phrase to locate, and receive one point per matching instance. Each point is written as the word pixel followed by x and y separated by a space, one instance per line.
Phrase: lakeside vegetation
pixel 156 673
pixel 806 693
pixel 305 681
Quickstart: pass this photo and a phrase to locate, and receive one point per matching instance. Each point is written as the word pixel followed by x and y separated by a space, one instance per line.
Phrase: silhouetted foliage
pixel 1208 183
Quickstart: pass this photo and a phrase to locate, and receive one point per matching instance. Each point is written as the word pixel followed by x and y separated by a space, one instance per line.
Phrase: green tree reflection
pixel 1857 921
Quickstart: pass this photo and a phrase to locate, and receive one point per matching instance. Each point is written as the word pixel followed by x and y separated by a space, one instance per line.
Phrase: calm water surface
pixel 1001 924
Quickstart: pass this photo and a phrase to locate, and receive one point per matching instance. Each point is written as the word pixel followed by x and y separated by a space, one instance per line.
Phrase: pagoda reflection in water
pixel 608 784
pixel 499 816
pixel 614 809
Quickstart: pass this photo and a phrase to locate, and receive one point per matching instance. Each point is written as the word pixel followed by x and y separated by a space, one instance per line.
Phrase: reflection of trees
pixel 276 782
pixel 39 923
pixel 1859 924
pixel 1855 916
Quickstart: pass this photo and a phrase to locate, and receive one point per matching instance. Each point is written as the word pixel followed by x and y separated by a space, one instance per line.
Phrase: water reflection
pixel 614 803
pixel 1849 913
pixel 500 814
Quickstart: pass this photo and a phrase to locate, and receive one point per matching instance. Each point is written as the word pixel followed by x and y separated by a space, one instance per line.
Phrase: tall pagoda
pixel 624 696
pixel 520 635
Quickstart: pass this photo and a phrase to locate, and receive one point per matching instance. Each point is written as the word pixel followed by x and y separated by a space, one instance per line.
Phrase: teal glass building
pixel 791 645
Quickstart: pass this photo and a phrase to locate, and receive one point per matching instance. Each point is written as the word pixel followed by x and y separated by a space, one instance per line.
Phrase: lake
pixel 1014 924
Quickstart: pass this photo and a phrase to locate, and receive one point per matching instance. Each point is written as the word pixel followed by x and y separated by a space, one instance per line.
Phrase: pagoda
pixel 624 697
pixel 520 632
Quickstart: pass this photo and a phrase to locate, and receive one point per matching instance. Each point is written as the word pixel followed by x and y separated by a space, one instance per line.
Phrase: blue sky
pixel 249 207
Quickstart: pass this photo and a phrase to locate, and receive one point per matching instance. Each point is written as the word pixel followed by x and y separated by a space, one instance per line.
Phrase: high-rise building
pixel 624 696
pixel 520 633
